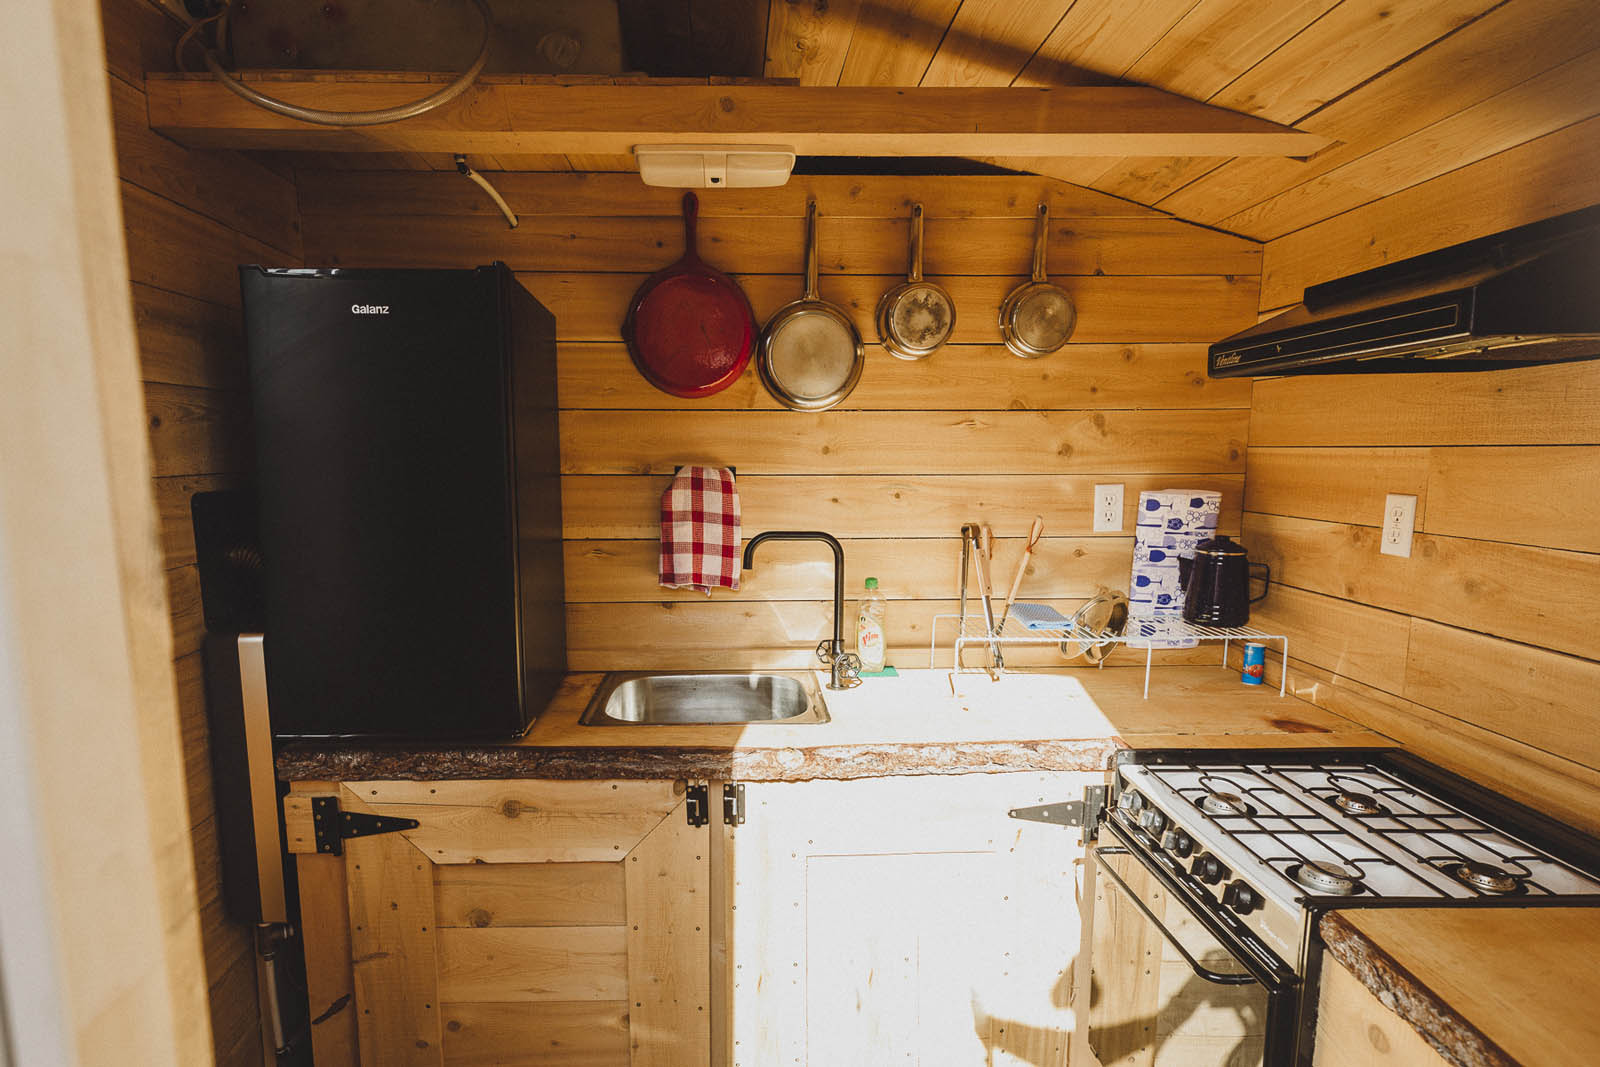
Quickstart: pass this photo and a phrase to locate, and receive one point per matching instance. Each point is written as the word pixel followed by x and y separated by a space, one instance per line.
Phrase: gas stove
pixel 1217 865
pixel 1270 840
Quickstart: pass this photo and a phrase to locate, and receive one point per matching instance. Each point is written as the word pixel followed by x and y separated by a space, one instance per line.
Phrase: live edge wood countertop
pixel 1060 720
pixel 1486 987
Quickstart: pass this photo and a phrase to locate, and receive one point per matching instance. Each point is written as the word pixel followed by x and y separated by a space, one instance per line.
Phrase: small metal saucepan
pixel 811 354
pixel 1037 318
pixel 915 317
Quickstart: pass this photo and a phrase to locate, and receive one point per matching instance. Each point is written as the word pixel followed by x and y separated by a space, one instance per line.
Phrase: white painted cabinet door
pixel 902 920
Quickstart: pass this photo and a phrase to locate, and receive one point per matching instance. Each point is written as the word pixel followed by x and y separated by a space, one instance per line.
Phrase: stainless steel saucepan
pixel 915 318
pixel 811 354
pixel 1038 317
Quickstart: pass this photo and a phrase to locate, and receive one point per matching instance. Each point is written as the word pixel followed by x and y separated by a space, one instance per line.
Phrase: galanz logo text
pixel 369 309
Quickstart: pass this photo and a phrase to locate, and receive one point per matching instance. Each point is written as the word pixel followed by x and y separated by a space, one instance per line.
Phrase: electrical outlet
pixel 1107 508
pixel 1399 516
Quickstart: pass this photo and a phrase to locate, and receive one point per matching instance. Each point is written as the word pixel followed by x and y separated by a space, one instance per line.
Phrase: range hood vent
pixel 1526 296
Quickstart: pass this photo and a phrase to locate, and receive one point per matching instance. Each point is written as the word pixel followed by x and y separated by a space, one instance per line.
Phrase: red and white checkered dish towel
pixel 700 530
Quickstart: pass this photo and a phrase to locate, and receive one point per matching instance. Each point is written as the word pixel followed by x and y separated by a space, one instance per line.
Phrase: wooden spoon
pixel 1035 532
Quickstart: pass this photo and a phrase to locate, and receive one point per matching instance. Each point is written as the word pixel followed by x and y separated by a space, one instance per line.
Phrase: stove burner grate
pixel 1486 876
pixel 1223 796
pixel 1334 879
pixel 1414 846
pixel 1353 803
pixel 1219 802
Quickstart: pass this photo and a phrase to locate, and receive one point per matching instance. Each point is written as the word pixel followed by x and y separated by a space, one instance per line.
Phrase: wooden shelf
pixel 505 115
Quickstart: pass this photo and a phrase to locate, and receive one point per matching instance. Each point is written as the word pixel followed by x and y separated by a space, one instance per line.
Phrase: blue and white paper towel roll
pixel 1171 522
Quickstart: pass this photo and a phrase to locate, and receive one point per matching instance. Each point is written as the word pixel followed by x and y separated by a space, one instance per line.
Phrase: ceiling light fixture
pixel 714 166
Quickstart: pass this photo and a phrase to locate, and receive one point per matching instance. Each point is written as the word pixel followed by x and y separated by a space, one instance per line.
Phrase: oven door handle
pixel 1200 969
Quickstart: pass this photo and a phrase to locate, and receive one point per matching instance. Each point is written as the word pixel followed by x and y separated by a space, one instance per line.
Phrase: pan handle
pixel 916 244
pixel 691 215
pixel 811 250
pixel 1040 237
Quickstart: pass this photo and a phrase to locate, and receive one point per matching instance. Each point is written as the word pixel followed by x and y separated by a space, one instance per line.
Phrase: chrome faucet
pixel 845 667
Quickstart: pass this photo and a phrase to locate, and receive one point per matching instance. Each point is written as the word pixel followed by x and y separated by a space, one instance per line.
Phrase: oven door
pixel 1165 987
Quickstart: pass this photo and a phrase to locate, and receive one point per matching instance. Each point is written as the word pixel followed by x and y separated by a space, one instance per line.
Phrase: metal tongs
pixel 977 544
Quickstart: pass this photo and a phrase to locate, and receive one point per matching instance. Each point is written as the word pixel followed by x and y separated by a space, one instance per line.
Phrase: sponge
pixel 1039 617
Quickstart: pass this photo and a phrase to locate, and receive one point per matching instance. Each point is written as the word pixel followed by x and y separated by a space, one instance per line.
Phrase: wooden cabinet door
pixel 523 922
pixel 1356 1029
pixel 899 920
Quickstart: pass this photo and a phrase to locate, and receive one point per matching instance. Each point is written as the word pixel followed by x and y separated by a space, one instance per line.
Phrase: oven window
pixel 1148 1005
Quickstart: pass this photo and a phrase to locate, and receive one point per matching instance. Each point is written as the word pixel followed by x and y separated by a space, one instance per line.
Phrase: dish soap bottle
pixel 870 625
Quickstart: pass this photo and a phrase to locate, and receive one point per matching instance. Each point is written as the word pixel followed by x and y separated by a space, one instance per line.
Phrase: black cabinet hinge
pixel 330 826
pixel 1085 813
pixel 732 804
pixel 696 802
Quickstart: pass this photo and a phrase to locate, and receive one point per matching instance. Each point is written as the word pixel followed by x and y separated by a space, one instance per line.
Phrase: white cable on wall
pixel 494 194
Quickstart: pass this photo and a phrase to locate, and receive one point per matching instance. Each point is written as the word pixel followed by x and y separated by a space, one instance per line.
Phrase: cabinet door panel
pixel 668 936
pixel 1356 1029
pixel 581 1034
pixel 901 920
pixel 523 821
pixel 531 894
pixel 558 963
pixel 891 946
pixel 394 951
pixel 521 922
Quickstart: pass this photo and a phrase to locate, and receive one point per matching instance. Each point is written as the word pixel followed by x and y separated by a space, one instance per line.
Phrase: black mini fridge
pixel 409 500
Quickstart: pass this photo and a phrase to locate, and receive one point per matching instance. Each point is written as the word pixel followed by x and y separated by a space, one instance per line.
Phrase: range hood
pixel 1523 297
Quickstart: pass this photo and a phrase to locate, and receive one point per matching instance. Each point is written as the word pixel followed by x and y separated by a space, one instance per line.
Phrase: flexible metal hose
pixel 362 118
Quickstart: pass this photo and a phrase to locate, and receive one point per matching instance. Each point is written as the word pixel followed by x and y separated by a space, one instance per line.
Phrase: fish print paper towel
pixel 1171 522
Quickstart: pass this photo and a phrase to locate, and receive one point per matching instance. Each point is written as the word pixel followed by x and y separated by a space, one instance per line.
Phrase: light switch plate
pixel 1399 516
pixel 1108 508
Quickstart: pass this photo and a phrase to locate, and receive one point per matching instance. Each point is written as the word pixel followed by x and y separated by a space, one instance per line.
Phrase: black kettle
pixel 1216 583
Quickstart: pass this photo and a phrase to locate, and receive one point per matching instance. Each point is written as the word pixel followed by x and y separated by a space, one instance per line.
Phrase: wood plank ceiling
pixel 1407 89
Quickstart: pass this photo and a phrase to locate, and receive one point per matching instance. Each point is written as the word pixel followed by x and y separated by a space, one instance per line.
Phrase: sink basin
pixel 643 698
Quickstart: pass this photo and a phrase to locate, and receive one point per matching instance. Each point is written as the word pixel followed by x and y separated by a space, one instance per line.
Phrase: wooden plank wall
pixel 971 434
pixel 1480 651
pixel 190 219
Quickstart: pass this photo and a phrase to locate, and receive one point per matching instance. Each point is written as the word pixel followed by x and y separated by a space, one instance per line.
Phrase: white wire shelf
pixel 1170 633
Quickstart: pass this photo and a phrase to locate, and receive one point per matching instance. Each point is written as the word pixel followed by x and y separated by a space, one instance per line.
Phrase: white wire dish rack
pixel 974 634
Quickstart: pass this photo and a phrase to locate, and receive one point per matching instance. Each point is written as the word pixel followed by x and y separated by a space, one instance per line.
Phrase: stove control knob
pixel 1178 843
pixel 1241 898
pixel 1131 801
pixel 1208 869
pixel 1153 821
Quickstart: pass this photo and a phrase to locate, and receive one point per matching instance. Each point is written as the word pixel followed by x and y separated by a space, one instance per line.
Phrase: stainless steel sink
pixel 646 698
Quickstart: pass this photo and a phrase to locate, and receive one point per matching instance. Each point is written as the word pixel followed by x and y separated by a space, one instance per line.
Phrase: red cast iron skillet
pixel 690 329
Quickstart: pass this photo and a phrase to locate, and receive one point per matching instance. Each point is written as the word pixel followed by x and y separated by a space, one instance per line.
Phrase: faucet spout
pixel 835 655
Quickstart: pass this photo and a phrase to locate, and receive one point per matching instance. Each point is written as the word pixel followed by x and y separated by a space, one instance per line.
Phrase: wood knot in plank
pixel 333 1009
pixel 1295 726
